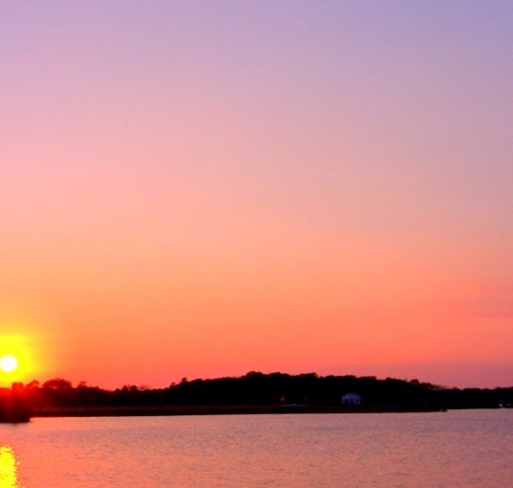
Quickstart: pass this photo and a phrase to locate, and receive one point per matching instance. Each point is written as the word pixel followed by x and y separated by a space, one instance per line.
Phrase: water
pixel 470 449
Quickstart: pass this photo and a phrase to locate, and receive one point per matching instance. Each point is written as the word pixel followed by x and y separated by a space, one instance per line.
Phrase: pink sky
pixel 203 189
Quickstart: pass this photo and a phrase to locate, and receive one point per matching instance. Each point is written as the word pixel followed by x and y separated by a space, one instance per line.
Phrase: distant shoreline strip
pixel 146 410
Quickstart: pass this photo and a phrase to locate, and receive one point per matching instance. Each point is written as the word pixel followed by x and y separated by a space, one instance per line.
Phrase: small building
pixel 351 399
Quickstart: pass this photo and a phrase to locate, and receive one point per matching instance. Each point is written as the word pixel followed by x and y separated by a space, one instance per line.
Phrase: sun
pixel 8 364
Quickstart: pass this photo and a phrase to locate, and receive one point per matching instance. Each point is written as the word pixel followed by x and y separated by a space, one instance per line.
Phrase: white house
pixel 351 399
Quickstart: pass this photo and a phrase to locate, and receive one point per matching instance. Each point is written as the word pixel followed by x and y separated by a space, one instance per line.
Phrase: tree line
pixel 257 388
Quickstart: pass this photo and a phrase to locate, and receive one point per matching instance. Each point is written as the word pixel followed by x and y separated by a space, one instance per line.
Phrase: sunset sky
pixel 206 188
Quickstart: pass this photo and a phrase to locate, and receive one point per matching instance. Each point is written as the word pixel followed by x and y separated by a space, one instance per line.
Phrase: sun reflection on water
pixel 8 468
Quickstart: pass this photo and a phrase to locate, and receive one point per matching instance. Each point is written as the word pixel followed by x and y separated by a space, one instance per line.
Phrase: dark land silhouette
pixel 252 393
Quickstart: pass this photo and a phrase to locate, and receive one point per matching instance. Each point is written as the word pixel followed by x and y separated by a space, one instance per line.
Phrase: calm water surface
pixel 471 449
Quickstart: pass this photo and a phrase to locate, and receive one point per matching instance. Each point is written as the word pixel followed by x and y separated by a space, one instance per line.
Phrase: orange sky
pixel 198 189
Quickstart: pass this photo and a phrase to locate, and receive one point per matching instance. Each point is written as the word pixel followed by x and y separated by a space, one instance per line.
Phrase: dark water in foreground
pixel 471 449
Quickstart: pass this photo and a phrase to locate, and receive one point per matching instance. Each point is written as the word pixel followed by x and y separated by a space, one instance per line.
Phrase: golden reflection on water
pixel 8 471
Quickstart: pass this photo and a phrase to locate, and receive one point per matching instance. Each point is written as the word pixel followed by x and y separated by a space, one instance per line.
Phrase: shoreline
pixel 177 410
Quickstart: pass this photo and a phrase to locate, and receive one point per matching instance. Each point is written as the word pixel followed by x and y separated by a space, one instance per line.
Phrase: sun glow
pixel 8 364
pixel 15 360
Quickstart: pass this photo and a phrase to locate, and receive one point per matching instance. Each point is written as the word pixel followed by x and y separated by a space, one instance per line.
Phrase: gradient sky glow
pixel 203 189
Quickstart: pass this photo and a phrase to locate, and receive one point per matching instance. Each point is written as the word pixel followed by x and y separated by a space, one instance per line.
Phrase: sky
pixel 207 188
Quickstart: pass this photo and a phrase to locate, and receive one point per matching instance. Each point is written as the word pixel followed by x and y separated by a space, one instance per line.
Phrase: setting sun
pixel 8 364
pixel 16 359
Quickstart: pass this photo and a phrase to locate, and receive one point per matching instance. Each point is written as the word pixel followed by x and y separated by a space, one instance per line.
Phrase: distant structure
pixel 351 399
